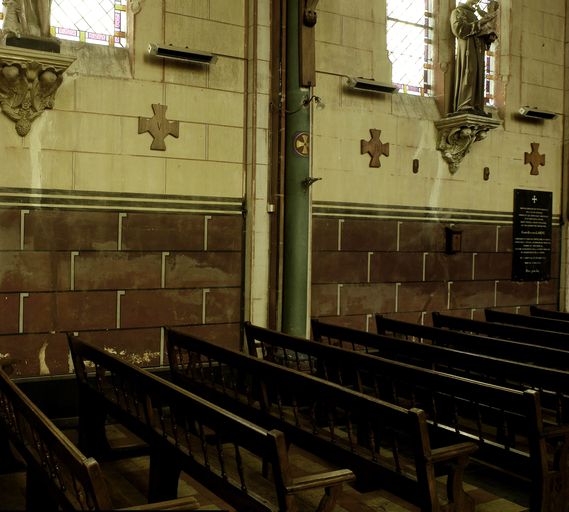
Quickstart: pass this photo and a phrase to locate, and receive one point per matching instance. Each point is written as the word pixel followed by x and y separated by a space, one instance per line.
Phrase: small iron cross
pixel 159 127
pixel 375 148
pixel 534 159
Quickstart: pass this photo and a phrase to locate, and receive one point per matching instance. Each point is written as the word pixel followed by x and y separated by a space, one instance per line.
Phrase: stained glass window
pixel 490 61
pixel 410 45
pixel 91 21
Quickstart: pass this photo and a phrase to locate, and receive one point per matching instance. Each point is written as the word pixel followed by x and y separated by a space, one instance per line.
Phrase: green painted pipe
pixel 296 201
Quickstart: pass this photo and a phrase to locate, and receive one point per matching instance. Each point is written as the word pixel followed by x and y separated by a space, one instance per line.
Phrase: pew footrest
pixel 187 503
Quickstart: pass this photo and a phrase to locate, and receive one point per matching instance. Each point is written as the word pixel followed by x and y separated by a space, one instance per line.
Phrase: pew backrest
pixel 506 423
pixel 345 426
pixel 62 473
pixel 533 322
pixel 548 313
pixel 191 432
pixel 553 383
pixel 546 339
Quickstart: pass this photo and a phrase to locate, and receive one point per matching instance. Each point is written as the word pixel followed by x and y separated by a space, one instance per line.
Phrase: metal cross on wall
pixel 159 127
pixel 375 148
pixel 534 159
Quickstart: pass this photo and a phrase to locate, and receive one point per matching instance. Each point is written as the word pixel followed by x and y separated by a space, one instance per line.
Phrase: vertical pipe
pixel 297 210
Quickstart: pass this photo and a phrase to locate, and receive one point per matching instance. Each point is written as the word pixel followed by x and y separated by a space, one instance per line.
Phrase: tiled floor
pixel 127 483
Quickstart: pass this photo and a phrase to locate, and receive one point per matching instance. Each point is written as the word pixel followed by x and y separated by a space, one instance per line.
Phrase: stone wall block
pixel 324 234
pixel 339 267
pixel 137 346
pixel 511 293
pixel 9 230
pixel 477 238
pixel 204 269
pixel 69 311
pixel 422 297
pixel 422 236
pixel 117 271
pixel 223 306
pixel 47 230
pixel 224 335
pixel 154 308
pixel 448 267
pixel 34 271
pixel 369 235
pixel 366 299
pixel 224 233
pixel 395 267
pixel 324 300
pixel 471 294
pixel 162 232
pixel 493 266
pixel 9 313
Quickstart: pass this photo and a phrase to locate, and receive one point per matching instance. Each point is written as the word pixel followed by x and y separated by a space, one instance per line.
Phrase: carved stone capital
pixel 29 80
pixel 135 6
pixel 457 133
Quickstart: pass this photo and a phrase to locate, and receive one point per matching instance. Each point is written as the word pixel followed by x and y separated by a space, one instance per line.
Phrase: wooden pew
pixel 507 424
pixel 533 322
pixel 548 313
pixel 476 343
pixel 326 419
pixel 58 475
pixel 508 332
pixel 553 383
pixel 187 433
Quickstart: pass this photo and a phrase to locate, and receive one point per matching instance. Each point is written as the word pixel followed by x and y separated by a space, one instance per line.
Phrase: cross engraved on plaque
pixel 159 127
pixel 534 159
pixel 375 148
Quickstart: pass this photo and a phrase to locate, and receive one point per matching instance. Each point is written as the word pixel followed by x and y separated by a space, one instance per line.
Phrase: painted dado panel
pixel 364 265
pixel 115 270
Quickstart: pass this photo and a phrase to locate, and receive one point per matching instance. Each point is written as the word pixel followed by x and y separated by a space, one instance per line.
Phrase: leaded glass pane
pixel 92 21
pixel 409 43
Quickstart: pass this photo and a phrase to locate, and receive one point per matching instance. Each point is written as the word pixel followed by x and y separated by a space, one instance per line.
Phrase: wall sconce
pixel 183 54
pixel 453 240
pixel 369 85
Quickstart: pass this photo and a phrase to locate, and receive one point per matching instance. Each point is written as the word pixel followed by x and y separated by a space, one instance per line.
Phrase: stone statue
pixel 27 18
pixel 475 30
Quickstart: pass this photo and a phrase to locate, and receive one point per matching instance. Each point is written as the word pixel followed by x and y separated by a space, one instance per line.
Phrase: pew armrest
pixel 453 451
pixel 327 479
pixel 187 503
pixel 557 431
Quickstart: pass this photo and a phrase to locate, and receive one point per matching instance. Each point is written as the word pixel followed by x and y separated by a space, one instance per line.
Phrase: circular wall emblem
pixel 301 143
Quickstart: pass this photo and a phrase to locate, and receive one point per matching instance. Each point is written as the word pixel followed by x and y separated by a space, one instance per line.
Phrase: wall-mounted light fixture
pixel 181 54
pixel 369 85
pixel 536 113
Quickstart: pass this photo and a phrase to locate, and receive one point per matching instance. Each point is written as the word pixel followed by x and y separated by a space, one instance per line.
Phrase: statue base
pixel 42 44
pixel 457 133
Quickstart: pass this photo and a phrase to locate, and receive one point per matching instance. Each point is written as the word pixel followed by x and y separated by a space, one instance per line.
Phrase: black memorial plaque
pixel 531 254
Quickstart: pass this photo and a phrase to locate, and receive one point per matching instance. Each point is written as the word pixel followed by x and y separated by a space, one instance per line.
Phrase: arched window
pixel 91 21
pixel 410 45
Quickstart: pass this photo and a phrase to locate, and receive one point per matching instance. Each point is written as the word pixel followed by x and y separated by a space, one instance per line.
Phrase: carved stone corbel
pixel 457 133
pixel 29 80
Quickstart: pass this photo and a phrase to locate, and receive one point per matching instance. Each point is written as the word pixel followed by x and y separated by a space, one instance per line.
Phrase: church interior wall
pixel 379 243
pixel 98 232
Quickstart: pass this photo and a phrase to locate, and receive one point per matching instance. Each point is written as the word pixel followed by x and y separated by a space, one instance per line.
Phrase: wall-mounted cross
pixel 534 159
pixel 375 148
pixel 159 127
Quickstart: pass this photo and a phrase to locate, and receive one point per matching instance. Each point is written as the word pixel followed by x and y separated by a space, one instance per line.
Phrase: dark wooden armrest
pixel 187 503
pixel 327 479
pixel 452 451
pixel 556 431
